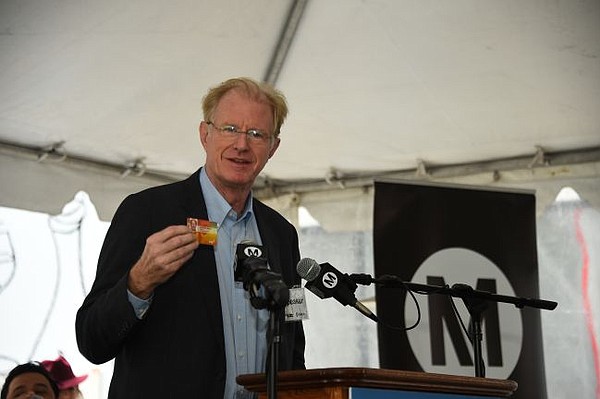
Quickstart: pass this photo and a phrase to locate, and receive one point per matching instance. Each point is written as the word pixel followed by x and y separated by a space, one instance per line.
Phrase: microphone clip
pixel 361 278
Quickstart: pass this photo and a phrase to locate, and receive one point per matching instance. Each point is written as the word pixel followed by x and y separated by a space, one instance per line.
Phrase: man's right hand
pixel 164 254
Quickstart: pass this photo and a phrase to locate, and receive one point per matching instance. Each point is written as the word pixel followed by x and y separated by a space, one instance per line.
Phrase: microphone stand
pixel 476 306
pixel 274 349
pixel 275 307
pixel 476 302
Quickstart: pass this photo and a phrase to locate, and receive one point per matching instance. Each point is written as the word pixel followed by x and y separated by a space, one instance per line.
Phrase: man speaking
pixel 165 304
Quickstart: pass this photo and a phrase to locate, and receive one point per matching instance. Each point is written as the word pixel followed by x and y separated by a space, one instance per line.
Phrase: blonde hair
pixel 258 91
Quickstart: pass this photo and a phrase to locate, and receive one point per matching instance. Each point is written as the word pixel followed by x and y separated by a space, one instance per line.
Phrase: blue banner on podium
pixel 371 393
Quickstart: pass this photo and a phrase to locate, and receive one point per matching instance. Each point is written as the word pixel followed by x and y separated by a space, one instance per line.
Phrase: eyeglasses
pixel 255 136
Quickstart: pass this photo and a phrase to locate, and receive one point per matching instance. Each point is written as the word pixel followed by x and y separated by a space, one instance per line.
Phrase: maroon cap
pixel 62 373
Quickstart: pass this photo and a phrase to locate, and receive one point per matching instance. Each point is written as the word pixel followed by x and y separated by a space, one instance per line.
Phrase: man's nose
pixel 241 141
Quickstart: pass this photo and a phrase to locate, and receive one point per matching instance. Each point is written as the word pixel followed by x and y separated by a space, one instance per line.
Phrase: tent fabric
pixel 44 187
pixel 373 85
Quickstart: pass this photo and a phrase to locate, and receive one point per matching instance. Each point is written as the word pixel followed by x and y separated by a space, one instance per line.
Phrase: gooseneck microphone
pixel 325 281
pixel 251 269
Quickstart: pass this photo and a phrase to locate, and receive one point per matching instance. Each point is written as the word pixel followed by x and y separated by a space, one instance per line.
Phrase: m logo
pixel 329 280
pixel 439 343
pixel 253 252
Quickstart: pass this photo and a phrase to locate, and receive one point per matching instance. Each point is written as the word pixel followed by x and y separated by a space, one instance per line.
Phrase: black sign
pixel 443 235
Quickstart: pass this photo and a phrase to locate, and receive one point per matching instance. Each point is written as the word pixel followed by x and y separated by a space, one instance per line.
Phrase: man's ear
pixel 275 146
pixel 203 132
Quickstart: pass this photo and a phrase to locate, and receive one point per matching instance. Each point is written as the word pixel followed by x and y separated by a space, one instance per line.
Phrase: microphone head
pixel 249 257
pixel 308 269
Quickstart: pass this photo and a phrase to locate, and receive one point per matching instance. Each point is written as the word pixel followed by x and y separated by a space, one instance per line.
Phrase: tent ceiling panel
pixel 373 85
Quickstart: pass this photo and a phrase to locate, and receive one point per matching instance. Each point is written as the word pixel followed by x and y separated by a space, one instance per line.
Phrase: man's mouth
pixel 239 161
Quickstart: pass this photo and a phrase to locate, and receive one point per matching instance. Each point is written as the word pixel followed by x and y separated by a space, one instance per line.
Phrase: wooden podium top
pixel 382 379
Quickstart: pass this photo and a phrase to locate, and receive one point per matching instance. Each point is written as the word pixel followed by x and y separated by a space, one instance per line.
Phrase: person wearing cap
pixel 29 381
pixel 67 382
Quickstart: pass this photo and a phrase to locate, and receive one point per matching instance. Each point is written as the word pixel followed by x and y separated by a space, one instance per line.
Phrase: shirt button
pixel 241 354
pixel 239 317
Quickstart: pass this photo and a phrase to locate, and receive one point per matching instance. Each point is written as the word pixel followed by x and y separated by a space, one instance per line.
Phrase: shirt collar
pixel 218 208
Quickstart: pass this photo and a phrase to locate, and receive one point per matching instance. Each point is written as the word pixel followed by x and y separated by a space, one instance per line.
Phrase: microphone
pixel 325 281
pixel 251 269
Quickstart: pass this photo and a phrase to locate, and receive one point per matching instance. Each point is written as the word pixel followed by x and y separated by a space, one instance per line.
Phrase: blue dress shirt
pixel 244 327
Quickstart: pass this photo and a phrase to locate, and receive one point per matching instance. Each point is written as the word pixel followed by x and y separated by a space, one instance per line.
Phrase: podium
pixel 367 383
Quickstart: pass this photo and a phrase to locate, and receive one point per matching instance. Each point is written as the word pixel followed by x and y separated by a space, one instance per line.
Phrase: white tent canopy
pixel 105 97
pixel 93 91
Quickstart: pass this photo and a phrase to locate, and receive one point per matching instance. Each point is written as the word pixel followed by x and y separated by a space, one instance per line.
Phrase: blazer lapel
pixel 204 257
pixel 271 240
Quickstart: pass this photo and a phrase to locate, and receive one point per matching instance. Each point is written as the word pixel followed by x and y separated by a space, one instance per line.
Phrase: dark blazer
pixel 177 350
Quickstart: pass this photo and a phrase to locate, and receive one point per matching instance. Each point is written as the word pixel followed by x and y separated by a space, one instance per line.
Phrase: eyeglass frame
pixel 269 138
